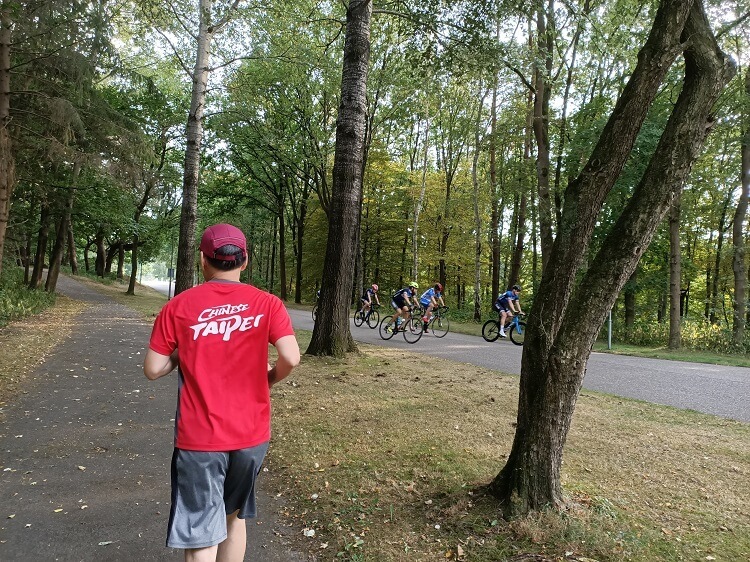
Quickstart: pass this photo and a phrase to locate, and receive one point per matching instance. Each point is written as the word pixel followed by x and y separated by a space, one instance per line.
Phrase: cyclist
pixel 367 297
pixel 506 305
pixel 402 299
pixel 430 300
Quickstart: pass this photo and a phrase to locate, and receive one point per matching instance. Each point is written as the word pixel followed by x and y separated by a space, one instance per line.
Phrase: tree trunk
pixel 420 202
pixel 331 335
pixel 7 159
pixel 515 264
pixel 541 126
pixel 101 253
pixel 630 291
pixel 567 315
pixel 41 246
pixel 62 232
pixel 738 235
pixel 494 191
pixel 675 275
pixel 282 250
pixel 186 246
pixel 714 299
pixel 478 228
pixel 302 217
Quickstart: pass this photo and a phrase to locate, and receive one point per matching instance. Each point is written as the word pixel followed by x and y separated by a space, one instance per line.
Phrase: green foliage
pixel 697 335
pixel 16 299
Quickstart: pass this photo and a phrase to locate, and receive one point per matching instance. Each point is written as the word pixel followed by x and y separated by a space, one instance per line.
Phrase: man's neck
pixel 224 276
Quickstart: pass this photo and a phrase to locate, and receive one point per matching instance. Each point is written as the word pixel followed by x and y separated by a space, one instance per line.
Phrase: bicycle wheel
pixel 387 327
pixel 373 319
pixel 413 329
pixel 518 332
pixel 439 326
pixel 358 318
pixel 490 330
pixel 315 313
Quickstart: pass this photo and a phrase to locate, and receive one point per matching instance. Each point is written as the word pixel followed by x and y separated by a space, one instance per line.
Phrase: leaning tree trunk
pixel 7 160
pixel 566 317
pixel 675 275
pixel 331 335
pixel 738 236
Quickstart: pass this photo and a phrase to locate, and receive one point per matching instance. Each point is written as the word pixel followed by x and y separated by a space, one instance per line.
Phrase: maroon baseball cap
pixel 220 235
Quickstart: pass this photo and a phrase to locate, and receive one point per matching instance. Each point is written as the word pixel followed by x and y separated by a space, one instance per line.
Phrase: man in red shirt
pixel 218 334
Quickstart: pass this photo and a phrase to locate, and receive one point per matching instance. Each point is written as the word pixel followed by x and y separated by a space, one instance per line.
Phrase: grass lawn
pixel 383 456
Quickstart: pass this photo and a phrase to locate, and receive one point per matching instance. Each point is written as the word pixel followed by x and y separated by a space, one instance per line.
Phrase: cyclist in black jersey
pixel 370 294
pixel 402 300
pixel 506 305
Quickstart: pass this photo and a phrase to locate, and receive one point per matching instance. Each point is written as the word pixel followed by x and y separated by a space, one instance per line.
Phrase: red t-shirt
pixel 222 331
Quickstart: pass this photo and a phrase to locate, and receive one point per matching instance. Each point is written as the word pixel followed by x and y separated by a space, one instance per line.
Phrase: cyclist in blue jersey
pixel 370 294
pixel 402 299
pixel 506 305
pixel 430 300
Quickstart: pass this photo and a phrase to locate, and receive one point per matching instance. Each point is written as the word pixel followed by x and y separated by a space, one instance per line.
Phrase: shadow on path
pixel 86 448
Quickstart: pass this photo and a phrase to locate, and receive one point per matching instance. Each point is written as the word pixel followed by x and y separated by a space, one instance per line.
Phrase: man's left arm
pixel 156 365
pixel 288 350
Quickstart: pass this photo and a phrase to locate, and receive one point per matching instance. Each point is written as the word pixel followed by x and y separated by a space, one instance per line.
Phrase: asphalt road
pixel 711 389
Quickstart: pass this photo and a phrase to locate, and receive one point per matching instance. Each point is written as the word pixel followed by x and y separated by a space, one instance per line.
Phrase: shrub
pixel 16 299
pixel 697 334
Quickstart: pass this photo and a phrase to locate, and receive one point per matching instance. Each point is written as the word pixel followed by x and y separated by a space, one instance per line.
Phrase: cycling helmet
pixel 438 287
pixel 375 287
pixel 414 285
pixel 516 288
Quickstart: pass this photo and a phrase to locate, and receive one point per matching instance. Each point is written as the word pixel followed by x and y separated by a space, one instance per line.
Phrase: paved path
pixel 85 451
pixel 711 389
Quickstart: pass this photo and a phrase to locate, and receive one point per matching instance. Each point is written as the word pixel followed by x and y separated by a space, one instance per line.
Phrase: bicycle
pixel 315 308
pixel 371 318
pixel 516 330
pixel 411 328
pixel 439 323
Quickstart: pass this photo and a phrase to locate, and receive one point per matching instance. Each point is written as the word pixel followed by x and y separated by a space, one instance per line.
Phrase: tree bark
pixel 714 298
pixel 62 232
pixel 7 159
pixel 740 312
pixel 100 264
pixel 675 275
pixel 72 254
pixel 629 298
pixel 186 246
pixel 41 246
pixel 541 126
pixel 566 316
pixel 494 191
pixel 739 309
pixel 331 335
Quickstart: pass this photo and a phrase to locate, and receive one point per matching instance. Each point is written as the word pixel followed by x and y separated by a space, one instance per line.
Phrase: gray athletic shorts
pixel 208 486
